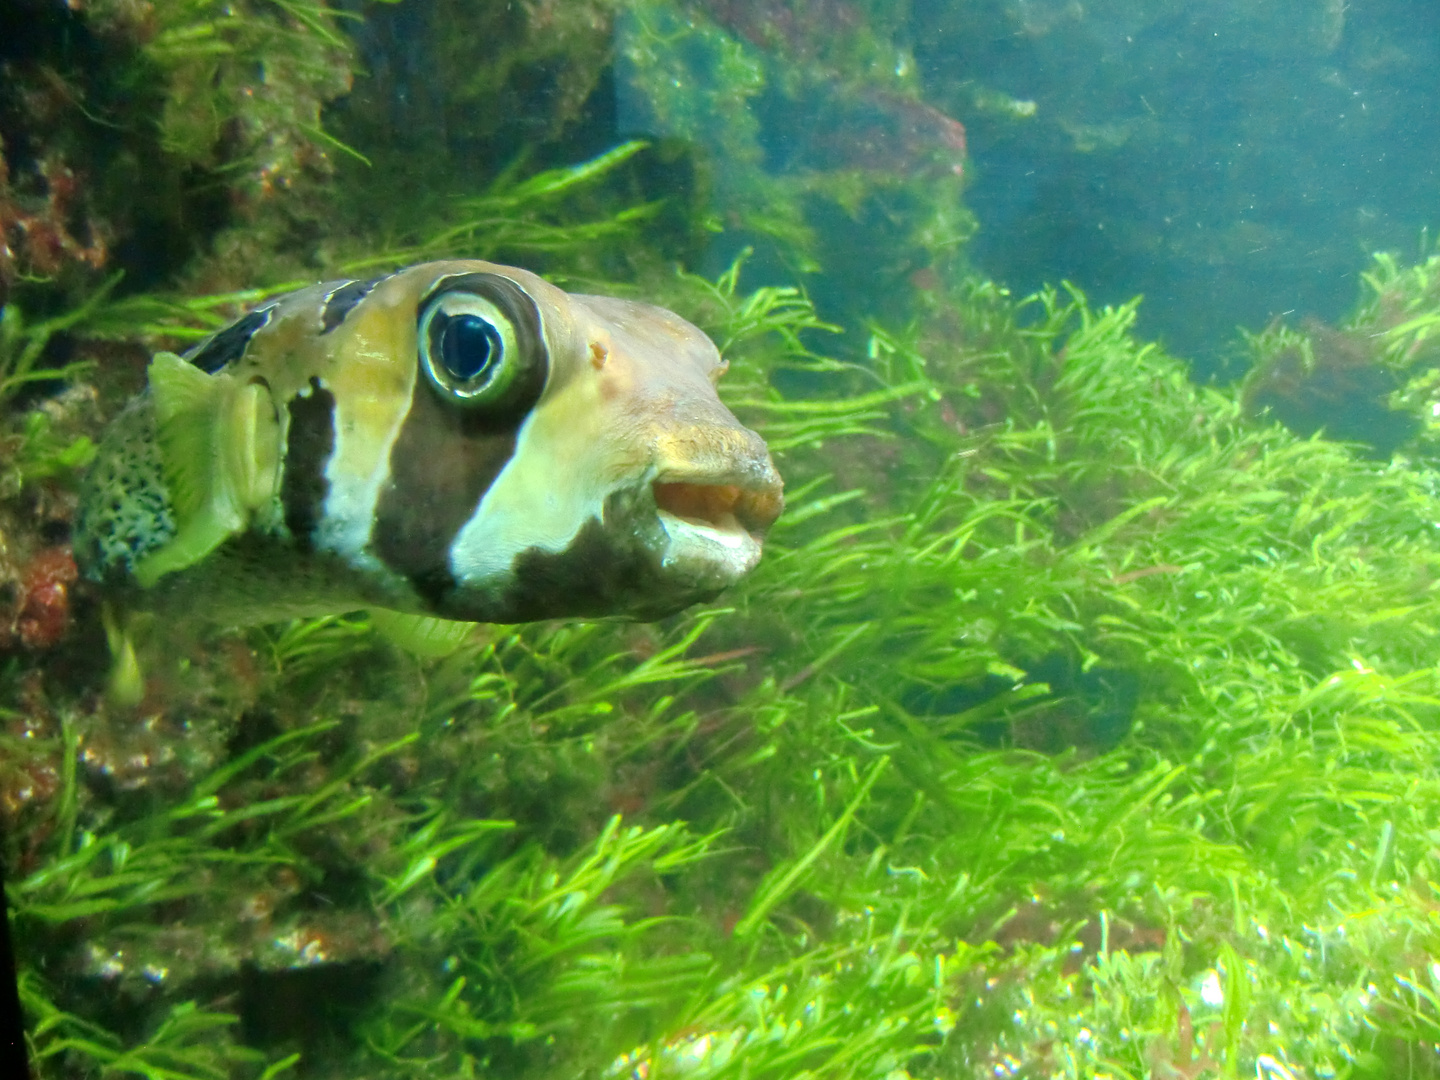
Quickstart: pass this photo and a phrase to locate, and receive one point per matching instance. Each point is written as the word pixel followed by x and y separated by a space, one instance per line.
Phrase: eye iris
pixel 468 345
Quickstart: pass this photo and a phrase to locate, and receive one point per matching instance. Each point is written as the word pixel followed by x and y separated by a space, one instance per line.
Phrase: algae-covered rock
pixel 816 143
pixel 149 126
pixel 1373 379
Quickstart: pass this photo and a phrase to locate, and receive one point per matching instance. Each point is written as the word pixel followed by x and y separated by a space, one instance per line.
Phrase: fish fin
pixel 423 635
pixel 219 443
pixel 125 685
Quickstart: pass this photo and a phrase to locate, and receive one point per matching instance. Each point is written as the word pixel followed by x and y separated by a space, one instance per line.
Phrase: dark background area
pixel 1232 160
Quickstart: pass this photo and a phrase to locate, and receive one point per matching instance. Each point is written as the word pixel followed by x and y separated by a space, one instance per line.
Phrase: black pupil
pixel 467 345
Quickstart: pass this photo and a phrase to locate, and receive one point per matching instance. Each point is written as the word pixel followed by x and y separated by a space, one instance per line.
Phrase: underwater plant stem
pixel 69 754
pixel 776 892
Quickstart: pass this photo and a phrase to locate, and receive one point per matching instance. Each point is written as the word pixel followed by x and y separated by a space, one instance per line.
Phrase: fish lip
pixel 706 556
pixel 752 496
pixel 714 522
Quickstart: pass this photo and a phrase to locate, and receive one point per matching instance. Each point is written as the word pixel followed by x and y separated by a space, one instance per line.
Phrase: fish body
pixel 458 439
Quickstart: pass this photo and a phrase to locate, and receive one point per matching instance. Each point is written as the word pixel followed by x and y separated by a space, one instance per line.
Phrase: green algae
pixel 861 833
pixel 23 343
pixel 1080 721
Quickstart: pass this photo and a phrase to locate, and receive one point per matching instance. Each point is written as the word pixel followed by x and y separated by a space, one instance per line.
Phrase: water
pixel 1248 154
pixel 1081 717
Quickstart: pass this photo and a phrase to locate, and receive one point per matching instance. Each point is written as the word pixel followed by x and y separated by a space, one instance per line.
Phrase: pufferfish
pixel 456 441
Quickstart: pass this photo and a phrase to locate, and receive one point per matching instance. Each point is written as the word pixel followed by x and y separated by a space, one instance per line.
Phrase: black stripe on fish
pixel 229 345
pixel 308 446
pixel 447 454
pixel 441 465
pixel 342 301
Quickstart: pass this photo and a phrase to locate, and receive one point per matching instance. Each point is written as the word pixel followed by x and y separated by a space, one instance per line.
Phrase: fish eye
pixel 469 348
pixel 482 346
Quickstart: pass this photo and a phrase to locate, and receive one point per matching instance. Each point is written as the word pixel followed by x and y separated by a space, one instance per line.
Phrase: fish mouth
pixel 714 526
pixel 721 506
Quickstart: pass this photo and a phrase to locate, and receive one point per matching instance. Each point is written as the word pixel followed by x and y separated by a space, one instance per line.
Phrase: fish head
pixel 515 452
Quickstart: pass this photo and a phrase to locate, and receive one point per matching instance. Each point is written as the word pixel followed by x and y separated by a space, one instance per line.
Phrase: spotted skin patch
pixel 124 513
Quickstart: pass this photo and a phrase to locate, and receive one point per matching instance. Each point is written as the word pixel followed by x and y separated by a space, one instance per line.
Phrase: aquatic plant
pixel 23 344
pixel 1073 724
pixel 528 218
pixel 1077 723
pixel 1372 379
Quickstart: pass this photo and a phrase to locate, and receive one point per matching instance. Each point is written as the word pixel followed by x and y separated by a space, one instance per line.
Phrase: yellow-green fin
pixel 423 635
pixel 219 444
pixel 125 686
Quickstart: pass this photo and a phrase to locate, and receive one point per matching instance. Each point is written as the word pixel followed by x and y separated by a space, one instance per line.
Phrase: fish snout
pixel 716 494
pixel 718 476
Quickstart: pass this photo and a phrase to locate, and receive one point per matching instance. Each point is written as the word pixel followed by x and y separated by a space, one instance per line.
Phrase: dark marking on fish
pixel 229 345
pixel 443 461
pixel 542 578
pixel 605 570
pixel 448 453
pixel 308 446
pixel 343 300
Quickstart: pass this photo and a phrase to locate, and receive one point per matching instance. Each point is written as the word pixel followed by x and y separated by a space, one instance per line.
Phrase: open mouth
pixel 713 530
pixel 721 507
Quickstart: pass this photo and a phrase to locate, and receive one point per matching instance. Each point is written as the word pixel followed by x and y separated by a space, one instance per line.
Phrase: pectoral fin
pixel 219 441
